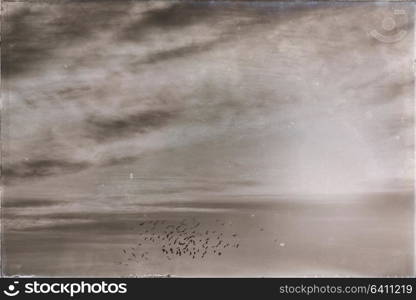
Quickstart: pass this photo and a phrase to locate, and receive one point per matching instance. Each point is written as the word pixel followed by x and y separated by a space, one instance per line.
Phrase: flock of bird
pixel 186 238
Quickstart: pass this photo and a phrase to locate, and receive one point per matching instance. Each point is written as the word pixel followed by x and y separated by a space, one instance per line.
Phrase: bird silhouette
pixel 175 238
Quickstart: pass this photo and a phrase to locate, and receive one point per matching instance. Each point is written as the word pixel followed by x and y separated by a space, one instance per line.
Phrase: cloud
pixel 181 52
pixel 168 17
pixel 28 202
pixel 34 33
pixel 104 129
pixel 41 168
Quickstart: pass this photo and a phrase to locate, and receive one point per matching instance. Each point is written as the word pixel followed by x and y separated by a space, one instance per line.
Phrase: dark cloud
pixel 33 169
pixel 32 34
pixel 178 16
pixel 83 221
pixel 197 185
pixel 238 204
pixel 20 47
pixel 28 202
pixel 113 161
pixel 104 129
pixel 180 190
pixel 183 13
pixel 179 52
pixel 170 17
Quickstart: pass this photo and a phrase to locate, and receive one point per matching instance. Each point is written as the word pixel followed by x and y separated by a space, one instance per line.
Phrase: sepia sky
pixel 305 102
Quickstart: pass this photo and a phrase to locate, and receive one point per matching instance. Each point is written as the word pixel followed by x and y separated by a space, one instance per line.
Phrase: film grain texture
pixel 245 138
